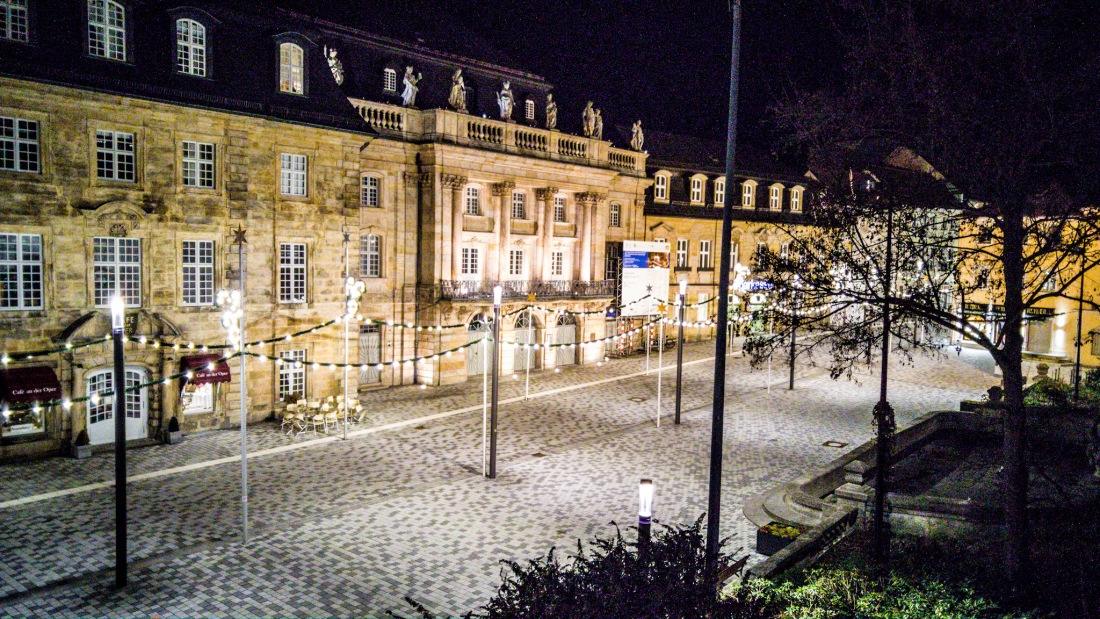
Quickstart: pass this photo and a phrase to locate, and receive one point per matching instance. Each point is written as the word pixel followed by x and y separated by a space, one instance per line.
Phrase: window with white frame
pixel 785 251
pixel 519 205
pixel 292 272
pixel 19 149
pixel 796 199
pixel 473 200
pixel 292 373
pixel 775 200
pixel 515 262
pixel 720 192
pixel 615 215
pixel 103 381
pixel 370 256
pixel 735 254
pixel 368 194
pixel 529 109
pixel 198 165
pixel 292 69
pixel 660 187
pixel 681 253
pixel 557 263
pixel 704 254
pixel 116 267
pixel 293 174
pixel 14 25
pixel 1050 281
pixel 748 195
pixel 198 272
pixel 696 191
pixel 20 271
pixel 190 47
pixel 471 261
pixel 761 248
pixel 389 80
pixel 106 29
pixel 559 209
pixel 114 156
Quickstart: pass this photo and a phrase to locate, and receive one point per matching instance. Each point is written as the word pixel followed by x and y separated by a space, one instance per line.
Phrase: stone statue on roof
pixel 588 120
pixel 334 65
pixel 551 113
pixel 637 138
pixel 458 92
pixel 408 97
pixel 506 100
pixel 597 126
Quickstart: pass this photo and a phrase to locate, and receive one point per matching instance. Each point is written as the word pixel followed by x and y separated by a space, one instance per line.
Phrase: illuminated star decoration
pixel 238 236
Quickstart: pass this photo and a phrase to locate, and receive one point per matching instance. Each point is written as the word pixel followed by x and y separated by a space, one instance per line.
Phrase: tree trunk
pixel 1015 474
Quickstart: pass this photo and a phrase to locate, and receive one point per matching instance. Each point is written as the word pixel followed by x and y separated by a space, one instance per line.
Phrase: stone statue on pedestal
pixel 588 120
pixel 597 126
pixel 637 138
pixel 408 97
pixel 458 92
pixel 551 113
pixel 334 65
pixel 506 101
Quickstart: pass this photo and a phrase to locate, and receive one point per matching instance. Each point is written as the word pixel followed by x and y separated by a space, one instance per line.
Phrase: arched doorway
pixel 565 332
pixel 100 417
pixel 525 356
pixel 479 356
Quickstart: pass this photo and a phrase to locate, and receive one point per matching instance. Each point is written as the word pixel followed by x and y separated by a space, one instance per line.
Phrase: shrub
pixel 1048 392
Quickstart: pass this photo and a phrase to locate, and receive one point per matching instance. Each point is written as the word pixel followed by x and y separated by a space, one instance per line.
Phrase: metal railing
pixel 521 289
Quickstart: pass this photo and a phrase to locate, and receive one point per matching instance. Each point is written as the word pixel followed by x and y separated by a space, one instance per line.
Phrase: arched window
pixel 796 199
pixel 748 194
pixel 660 187
pixel 292 69
pixel 107 29
pixel 697 183
pixel 529 110
pixel 389 80
pixel 190 47
pixel 720 192
pixel 775 198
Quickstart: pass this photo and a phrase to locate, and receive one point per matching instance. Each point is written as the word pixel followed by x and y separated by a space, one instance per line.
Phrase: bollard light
pixel 645 511
pixel 118 313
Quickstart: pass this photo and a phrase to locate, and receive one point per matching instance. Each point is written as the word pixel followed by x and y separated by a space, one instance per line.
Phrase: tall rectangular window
pixel 470 261
pixel 292 273
pixel 748 195
pixel 389 80
pixel 660 187
pixel 198 165
pixel 368 194
pixel 292 69
pixel 735 254
pixel 704 254
pixel 293 175
pixel 190 47
pixel 19 150
pixel 720 192
pixel 20 271
pixel 559 209
pixel 198 272
pixel 292 374
pixel 696 190
pixel 615 215
pixel 775 202
pixel 519 205
pixel 114 157
pixel 116 267
pixel 473 201
pixel 14 25
pixel 785 251
pixel 515 262
pixel 681 253
pixel 529 109
pixel 557 263
pixel 370 256
pixel 796 200
pixel 107 29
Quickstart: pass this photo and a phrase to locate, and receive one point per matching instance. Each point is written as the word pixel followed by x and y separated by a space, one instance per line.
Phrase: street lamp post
pixel 118 319
pixel 497 293
pixel 680 349
pixel 884 414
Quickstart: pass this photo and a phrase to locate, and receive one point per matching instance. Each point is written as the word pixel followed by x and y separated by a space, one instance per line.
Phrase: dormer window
pixel 14 25
pixel 292 69
pixel 796 199
pixel 748 194
pixel 660 187
pixel 107 30
pixel 190 47
pixel 775 198
pixel 529 110
pixel 389 80
pixel 697 190
pixel 720 192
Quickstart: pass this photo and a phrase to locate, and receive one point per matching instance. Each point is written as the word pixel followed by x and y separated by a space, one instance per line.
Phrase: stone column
pixel 502 223
pixel 545 197
pixel 586 204
pixel 455 183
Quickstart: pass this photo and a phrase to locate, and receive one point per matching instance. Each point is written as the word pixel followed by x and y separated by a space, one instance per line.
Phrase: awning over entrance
pixel 30 384
pixel 202 370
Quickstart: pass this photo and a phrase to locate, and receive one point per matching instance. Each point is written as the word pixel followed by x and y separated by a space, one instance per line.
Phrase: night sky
pixel 664 62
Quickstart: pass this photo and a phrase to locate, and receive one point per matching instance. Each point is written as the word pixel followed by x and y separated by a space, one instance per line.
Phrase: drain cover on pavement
pixel 835 444
pixel 538 454
pixel 637 399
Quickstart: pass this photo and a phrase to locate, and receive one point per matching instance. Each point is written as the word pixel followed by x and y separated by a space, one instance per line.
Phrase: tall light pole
pixel 118 320
pixel 884 413
pixel 497 294
pixel 714 495
pixel 231 302
pixel 680 349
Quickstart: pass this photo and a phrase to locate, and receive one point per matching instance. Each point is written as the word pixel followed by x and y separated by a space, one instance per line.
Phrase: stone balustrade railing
pixel 453 127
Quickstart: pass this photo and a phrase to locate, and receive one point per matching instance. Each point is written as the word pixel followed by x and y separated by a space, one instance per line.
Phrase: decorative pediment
pixel 119 216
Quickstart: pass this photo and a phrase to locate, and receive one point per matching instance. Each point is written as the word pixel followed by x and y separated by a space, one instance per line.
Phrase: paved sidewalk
pixel 348 528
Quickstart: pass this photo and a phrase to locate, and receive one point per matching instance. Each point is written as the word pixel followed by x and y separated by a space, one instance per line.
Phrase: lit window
pixel 292 374
pixel 292 69
pixel 660 187
pixel 198 272
pixel 190 47
pixel 529 108
pixel 1050 281
pixel 20 271
pixel 784 251
pixel 389 80
pixel 198 165
pixel 473 201
pixel 748 195
pixel 13 20
pixel 19 150
pixel 106 29
pixel 557 263
pixel 519 205
pixel 681 253
pixel 370 256
pixel 775 200
pixel 470 262
pixel 559 209
pixel 720 192
pixel 761 248
pixel 515 262
pixel 696 191
pixel 102 409
pixel 796 199
pixel 614 215
pixel 369 192
pixel 292 273
pixel 116 267
pixel 704 254
pixel 115 156
pixel 293 175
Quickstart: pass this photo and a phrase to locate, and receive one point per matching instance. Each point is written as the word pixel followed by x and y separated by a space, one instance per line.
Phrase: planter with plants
pixel 173 434
pixel 775 536
pixel 82 446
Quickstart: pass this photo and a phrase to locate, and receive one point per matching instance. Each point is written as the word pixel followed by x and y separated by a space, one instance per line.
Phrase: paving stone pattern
pixel 348 528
